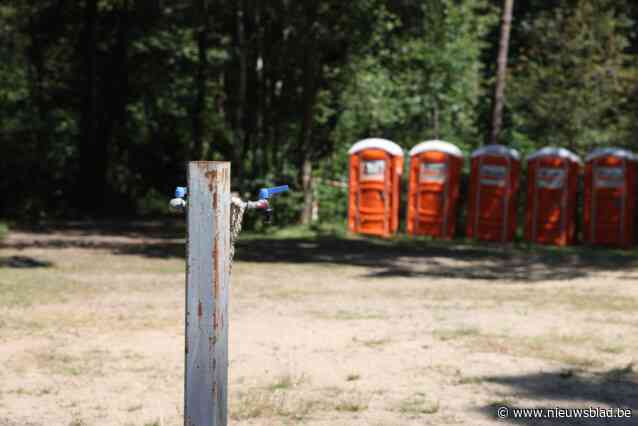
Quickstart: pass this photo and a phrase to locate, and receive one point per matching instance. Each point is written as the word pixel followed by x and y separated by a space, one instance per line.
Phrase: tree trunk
pixel 501 73
pixel 306 215
pixel 92 181
pixel 305 152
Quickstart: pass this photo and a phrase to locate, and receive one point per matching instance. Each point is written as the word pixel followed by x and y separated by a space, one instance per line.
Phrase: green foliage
pixel 570 84
pixel 98 115
pixel 4 231
pixel 421 80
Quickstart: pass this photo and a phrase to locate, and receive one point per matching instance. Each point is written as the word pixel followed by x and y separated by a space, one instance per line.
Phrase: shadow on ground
pixel 384 259
pixel 615 388
pixel 23 262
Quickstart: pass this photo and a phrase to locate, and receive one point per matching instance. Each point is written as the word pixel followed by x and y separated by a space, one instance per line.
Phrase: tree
pixel 501 72
pixel 571 81
pixel 421 76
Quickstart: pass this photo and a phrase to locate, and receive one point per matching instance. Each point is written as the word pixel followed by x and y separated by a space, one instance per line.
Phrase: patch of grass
pixel 550 347
pixel 353 404
pixel 320 230
pixel 418 404
pixel 475 380
pixel 76 421
pixel 135 407
pixel 612 349
pixel 372 343
pixel 626 373
pixel 28 287
pixel 343 315
pixel 287 381
pixel 4 230
pixel 289 293
pixel 88 363
pixel 600 302
pixel 452 334
pixel 555 348
pixel 353 377
pixel 30 392
pixel 260 403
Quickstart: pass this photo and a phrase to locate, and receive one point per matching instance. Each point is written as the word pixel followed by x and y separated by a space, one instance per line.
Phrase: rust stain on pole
pixel 207 282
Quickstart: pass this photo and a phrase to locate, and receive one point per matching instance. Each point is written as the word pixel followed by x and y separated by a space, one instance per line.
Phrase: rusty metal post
pixel 207 283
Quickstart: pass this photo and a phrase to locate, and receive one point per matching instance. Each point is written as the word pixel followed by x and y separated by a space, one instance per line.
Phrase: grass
pixel 354 403
pixel 457 333
pixel 26 287
pixel 470 380
pixel 344 315
pixel 372 343
pixel 319 230
pixel 352 377
pixel 4 230
pixel 263 403
pixel 77 422
pixel 551 347
pixel 418 404
pixel 287 382
pixel 99 292
pixel 612 349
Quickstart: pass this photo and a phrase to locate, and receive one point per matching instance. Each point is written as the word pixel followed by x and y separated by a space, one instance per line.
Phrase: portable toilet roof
pixel 551 151
pixel 498 150
pixel 616 152
pixel 436 145
pixel 376 143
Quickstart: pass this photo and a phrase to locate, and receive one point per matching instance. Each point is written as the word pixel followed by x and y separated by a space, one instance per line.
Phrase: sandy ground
pixel 323 332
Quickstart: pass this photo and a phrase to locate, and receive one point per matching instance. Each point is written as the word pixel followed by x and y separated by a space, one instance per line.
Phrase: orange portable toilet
pixel 610 197
pixel 494 181
pixel 435 177
pixel 552 183
pixel 375 174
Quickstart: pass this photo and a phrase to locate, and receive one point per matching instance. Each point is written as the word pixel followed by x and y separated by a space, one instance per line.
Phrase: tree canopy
pixel 102 102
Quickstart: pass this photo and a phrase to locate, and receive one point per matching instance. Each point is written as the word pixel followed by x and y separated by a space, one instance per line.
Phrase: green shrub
pixel 4 231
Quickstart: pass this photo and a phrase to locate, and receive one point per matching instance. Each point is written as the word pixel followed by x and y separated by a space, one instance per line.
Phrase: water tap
pixel 179 202
pixel 265 194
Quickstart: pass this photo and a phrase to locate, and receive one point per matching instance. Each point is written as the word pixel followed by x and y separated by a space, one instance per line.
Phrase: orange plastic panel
pixel 552 182
pixel 374 192
pixel 494 184
pixel 433 194
pixel 610 200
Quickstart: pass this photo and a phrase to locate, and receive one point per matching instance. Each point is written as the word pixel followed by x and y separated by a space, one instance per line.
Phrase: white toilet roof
pixel 497 150
pixel 436 145
pixel 376 143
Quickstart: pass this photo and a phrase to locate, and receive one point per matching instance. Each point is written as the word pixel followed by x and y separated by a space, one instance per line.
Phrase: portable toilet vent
pixel 435 177
pixel 552 185
pixel 375 174
pixel 610 197
pixel 494 182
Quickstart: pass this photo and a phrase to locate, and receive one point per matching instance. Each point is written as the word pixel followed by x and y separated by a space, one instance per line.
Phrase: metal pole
pixel 207 283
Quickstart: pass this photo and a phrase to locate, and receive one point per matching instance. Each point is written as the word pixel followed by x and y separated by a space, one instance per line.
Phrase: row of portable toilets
pixel 435 172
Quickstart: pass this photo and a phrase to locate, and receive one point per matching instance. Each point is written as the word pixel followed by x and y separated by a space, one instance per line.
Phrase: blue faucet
pixel 181 192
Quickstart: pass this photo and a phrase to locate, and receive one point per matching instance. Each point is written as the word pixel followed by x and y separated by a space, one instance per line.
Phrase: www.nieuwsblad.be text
pixel 504 412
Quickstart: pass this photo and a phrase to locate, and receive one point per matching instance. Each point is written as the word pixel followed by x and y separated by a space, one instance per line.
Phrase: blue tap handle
pixel 265 193
pixel 181 191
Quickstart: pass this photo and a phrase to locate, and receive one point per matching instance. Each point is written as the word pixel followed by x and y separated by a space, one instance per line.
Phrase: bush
pixel 4 231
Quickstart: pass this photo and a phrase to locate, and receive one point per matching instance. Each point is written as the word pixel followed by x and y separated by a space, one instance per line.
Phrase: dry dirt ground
pixel 323 332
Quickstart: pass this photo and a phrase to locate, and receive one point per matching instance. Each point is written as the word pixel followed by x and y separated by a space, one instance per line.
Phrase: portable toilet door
pixel 434 181
pixel 610 197
pixel 552 185
pixel 376 166
pixel 494 181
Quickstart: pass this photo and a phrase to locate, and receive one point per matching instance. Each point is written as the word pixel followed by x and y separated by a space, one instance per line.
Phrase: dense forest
pixel 103 102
